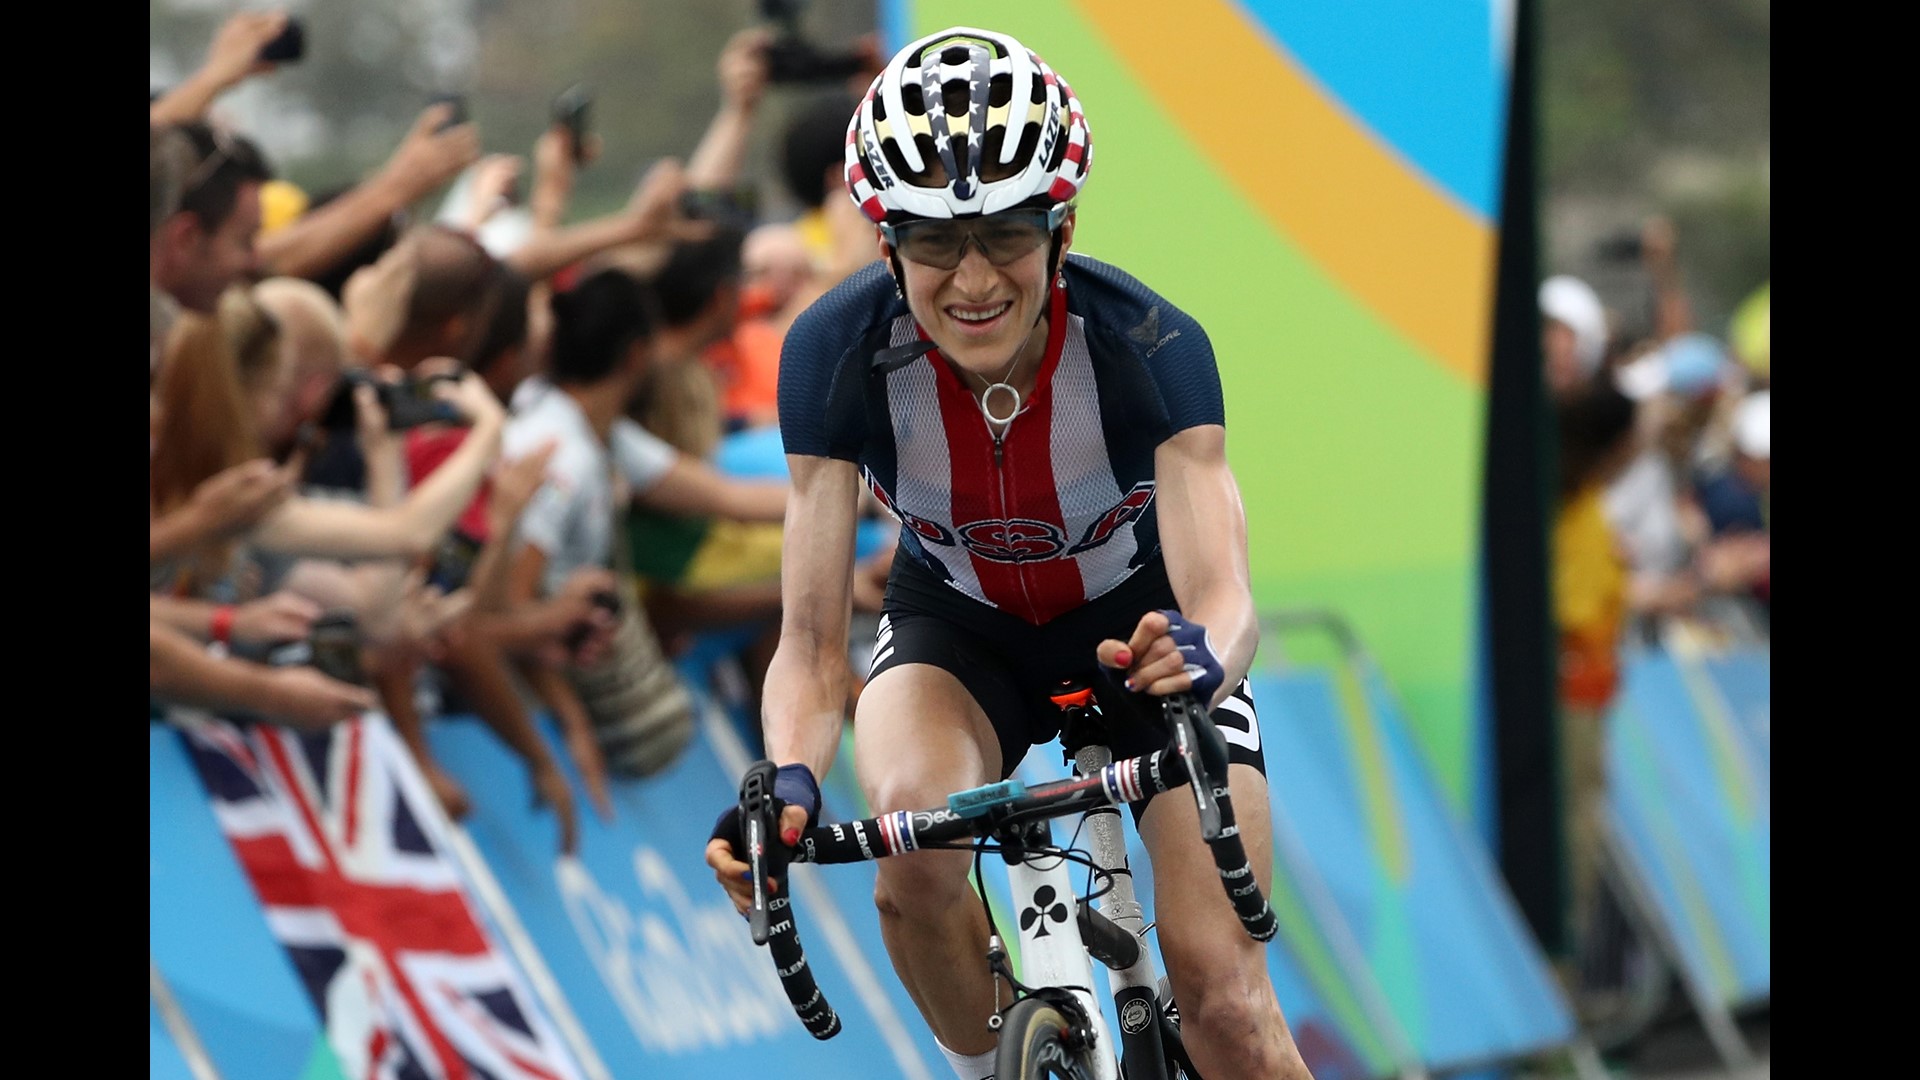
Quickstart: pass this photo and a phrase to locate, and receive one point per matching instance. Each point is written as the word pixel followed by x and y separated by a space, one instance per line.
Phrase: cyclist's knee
pixel 922 885
pixel 1240 1013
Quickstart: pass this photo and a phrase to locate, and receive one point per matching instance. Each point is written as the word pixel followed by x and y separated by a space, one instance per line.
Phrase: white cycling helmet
pixel 966 122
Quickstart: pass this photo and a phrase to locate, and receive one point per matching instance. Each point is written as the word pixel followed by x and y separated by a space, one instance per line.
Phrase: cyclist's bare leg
pixel 1229 1017
pixel 918 736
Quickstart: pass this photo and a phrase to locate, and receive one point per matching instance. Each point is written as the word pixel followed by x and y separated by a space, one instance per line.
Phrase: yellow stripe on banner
pixel 1387 234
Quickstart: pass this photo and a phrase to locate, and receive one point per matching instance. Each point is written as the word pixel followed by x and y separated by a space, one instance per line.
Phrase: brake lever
pixel 756 825
pixel 1198 743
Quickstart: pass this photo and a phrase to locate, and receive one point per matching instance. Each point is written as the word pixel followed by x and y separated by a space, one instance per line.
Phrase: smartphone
pixel 570 111
pixel 335 644
pixel 453 561
pixel 796 61
pixel 459 114
pixel 290 46
pixel 408 404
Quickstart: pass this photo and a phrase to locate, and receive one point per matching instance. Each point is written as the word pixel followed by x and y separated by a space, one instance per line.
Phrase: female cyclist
pixel 1050 433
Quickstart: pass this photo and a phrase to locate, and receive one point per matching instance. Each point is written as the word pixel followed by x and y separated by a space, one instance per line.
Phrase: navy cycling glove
pixel 1197 653
pixel 793 785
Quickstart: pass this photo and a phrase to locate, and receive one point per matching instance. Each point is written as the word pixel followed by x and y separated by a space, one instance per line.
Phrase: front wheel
pixel 1033 1045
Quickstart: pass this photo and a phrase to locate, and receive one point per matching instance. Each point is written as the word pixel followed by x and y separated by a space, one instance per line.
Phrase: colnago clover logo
pixel 1021 540
pixel 1129 508
pixel 1043 911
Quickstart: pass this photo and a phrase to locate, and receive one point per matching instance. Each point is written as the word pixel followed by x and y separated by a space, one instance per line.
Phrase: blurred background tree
pixel 372 65
pixel 1649 107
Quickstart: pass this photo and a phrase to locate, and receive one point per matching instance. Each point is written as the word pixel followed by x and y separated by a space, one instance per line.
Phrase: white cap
pixel 1643 378
pixel 1752 426
pixel 1567 299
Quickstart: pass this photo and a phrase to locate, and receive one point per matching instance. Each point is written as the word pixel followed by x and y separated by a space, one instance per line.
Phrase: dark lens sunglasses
pixel 1003 238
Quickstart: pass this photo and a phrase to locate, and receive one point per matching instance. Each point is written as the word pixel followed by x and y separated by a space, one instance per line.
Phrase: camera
pixel 289 46
pixel 332 648
pixel 408 404
pixel 606 599
pixel 453 561
pixel 455 118
pixel 570 111
pixel 793 59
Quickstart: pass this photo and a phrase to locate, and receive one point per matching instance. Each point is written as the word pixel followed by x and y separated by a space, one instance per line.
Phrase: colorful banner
pixel 229 980
pixel 1692 813
pixel 660 972
pixel 347 855
pixel 1411 888
pixel 1317 185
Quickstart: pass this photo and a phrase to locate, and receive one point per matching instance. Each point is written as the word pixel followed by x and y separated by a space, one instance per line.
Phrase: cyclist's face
pixel 977 312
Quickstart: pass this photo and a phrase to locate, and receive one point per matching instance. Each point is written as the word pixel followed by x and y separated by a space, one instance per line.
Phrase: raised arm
pixel 806 687
pixel 426 159
pixel 1203 532
pixel 715 165
pixel 693 488
pixel 651 216
pixel 233 57
pixel 348 531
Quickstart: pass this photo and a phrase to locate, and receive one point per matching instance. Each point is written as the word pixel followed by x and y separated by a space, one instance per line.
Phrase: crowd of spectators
pixel 1662 531
pixel 458 458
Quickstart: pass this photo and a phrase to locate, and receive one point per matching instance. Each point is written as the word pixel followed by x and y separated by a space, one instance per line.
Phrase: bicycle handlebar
pixel 1198 752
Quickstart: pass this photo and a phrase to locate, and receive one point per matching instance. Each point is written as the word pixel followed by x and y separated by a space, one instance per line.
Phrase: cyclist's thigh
pixel 1200 936
pixel 918 736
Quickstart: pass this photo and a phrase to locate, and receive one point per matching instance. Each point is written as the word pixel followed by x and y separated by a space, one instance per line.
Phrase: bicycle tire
pixel 1033 1046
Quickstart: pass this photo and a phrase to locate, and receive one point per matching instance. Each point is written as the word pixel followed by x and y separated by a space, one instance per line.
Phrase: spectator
pixel 628 703
pixel 206 244
pixel 313 343
pixel 206 426
pixel 1573 334
pixel 1737 502
pixel 1589 605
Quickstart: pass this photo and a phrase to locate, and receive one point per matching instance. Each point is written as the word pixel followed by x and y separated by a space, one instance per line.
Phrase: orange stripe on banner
pixel 1386 233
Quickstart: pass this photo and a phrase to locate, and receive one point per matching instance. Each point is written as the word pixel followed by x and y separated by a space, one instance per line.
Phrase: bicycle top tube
pixel 903 831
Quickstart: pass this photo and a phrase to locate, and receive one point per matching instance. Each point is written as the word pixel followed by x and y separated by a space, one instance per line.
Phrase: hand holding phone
pixel 456 116
pixel 289 46
pixel 570 111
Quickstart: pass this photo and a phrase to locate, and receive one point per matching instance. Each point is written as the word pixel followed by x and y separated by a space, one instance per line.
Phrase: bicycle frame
pixel 1060 942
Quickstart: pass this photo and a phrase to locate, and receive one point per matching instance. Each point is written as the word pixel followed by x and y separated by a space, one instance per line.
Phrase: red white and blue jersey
pixel 1063 510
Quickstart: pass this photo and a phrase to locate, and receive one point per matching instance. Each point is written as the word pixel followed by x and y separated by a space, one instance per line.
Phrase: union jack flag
pixel 347 854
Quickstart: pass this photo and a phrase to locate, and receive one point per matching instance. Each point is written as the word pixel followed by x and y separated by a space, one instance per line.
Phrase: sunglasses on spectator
pixel 1003 238
pixel 223 152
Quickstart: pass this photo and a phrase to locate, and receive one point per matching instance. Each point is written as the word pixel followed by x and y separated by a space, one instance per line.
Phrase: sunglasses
pixel 223 152
pixel 1003 238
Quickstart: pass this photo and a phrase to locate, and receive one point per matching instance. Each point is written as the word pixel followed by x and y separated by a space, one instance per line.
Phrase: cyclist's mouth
pixel 979 319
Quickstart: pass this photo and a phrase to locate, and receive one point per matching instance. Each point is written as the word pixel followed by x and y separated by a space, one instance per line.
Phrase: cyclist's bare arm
pixel 806 688
pixel 1203 534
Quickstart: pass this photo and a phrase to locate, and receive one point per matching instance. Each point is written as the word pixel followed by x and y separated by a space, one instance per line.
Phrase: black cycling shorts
pixel 1011 666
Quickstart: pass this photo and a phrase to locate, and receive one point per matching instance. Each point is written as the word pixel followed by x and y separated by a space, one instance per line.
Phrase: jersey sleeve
pixel 823 368
pixel 1183 368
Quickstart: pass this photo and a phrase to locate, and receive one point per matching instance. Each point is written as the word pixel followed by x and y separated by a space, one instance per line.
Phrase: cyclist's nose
pixel 975 268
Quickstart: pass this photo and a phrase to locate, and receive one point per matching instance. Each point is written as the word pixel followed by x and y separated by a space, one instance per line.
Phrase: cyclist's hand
pixel 1166 655
pixel 796 797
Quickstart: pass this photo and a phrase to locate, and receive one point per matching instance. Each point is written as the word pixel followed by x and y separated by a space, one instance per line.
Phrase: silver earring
pixel 1061 281
pixel 898 292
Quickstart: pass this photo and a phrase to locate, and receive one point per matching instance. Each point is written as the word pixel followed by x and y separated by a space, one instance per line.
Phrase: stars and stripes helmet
pixel 966 122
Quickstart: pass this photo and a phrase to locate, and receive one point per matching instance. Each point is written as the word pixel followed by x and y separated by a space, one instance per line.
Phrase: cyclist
pixel 1050 433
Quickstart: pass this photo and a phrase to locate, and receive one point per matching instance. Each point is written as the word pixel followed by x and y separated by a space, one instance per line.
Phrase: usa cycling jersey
pixel 1061 508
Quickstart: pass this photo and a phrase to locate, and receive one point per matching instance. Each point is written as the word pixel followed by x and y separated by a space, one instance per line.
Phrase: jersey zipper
pixel 1000 482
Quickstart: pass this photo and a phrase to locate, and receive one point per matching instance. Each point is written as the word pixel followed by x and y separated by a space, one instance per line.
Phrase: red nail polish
pixel 1123 658
pixel 790 837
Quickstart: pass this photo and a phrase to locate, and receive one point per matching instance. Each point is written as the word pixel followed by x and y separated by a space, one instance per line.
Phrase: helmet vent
pixel 1000 90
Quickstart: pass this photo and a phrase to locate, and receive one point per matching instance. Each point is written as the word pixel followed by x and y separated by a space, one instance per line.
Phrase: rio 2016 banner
pixel 1317 184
